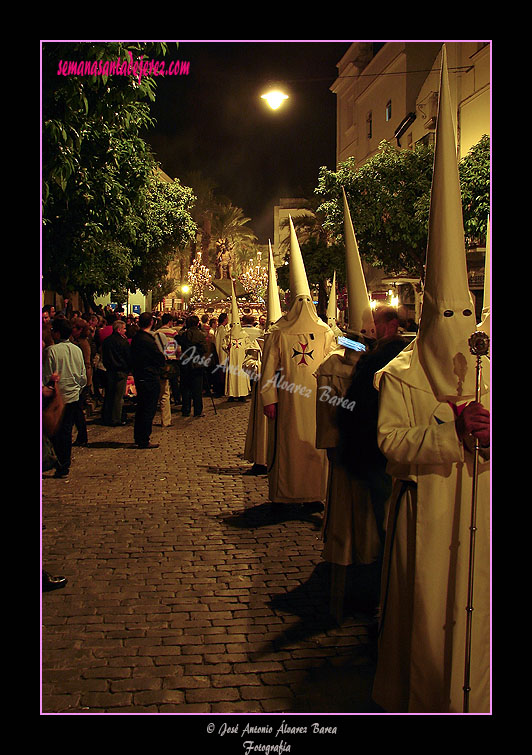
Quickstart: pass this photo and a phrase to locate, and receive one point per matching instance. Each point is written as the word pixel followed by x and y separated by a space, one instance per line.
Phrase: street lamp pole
pixel 185 290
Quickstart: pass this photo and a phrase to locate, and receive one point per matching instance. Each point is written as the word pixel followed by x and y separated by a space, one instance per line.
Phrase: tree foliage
pixel 389 200
pixel 322 256
pixel 165 224
pixel 230 223
pixel 475 188
pixel 384 196
pixel 165 286
pixel 321 261
pixel 218 218
pixel 100 213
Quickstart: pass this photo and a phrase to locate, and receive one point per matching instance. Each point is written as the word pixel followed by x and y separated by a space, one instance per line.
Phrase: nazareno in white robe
pixel 295 347
pixel 422 634
pixel 219 338
pixel 256 445
pixel 235 345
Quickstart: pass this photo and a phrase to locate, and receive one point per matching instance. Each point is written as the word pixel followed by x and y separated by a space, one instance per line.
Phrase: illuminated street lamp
pixel 274 98
pixel 185 290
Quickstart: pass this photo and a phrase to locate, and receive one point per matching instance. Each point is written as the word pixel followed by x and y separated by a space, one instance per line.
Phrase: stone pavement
pixel 185 593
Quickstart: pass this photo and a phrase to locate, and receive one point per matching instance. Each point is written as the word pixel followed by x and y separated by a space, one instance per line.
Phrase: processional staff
pixel 479 347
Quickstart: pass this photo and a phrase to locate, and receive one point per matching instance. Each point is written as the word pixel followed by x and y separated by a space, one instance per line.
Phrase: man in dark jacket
pixel 116 359
pixel 147 362
pixel 358 426
pixel 192 363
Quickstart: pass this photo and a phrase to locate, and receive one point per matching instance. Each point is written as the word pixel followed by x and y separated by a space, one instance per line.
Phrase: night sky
pixel 213 120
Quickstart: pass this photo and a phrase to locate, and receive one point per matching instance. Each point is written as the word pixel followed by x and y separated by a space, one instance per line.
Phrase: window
pixel 388 111
pixel 350 112
pixel 369 125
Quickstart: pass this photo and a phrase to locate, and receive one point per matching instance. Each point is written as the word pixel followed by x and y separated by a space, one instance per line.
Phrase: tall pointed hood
pixel 360 315
pixel 298 275
pixel 439 358
pixel 273 304
pixel 236 327
pixel 302 315
pixel 332 310
pixel 332 313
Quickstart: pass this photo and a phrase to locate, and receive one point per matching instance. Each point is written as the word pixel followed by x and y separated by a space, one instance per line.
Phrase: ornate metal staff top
pixel 479 343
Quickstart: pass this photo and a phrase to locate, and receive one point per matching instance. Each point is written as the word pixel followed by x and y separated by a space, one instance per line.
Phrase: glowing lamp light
pixel 185 289
pixel 275 98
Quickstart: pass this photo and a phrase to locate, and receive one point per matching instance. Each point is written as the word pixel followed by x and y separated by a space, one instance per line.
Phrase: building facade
pixel 389 91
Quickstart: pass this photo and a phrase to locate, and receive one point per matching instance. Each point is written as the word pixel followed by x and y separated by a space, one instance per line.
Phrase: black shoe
pixel 231 398
pixel 148 445
pixel 61 474
pixel 83 443
pixel 312 507
pixel 52 583
pixel 242 399
pixel 118 424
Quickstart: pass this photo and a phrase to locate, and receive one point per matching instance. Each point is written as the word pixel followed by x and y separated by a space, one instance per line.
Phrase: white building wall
pixel 407 75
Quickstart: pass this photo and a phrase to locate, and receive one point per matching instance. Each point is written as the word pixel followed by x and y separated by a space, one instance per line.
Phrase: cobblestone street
pixel 185 593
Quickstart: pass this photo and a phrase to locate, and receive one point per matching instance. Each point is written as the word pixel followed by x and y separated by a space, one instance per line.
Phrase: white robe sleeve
pixel 405 440
pixel 271 362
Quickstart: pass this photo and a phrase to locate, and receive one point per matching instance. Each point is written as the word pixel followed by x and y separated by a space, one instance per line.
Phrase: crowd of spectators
pixel 100 363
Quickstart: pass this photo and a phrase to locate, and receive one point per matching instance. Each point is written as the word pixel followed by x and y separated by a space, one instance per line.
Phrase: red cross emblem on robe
pixel 304 353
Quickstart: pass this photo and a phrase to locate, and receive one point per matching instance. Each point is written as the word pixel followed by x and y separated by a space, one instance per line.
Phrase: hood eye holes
pixel 450 313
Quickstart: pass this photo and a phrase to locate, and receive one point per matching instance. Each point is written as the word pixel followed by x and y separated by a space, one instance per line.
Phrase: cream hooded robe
pixel 295 347
pixel 421 654
pixel 235 345
pixel 256 446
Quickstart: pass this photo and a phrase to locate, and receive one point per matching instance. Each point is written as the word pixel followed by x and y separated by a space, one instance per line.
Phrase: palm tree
pixel 230 223
pixel 320 255
pixel 307 226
